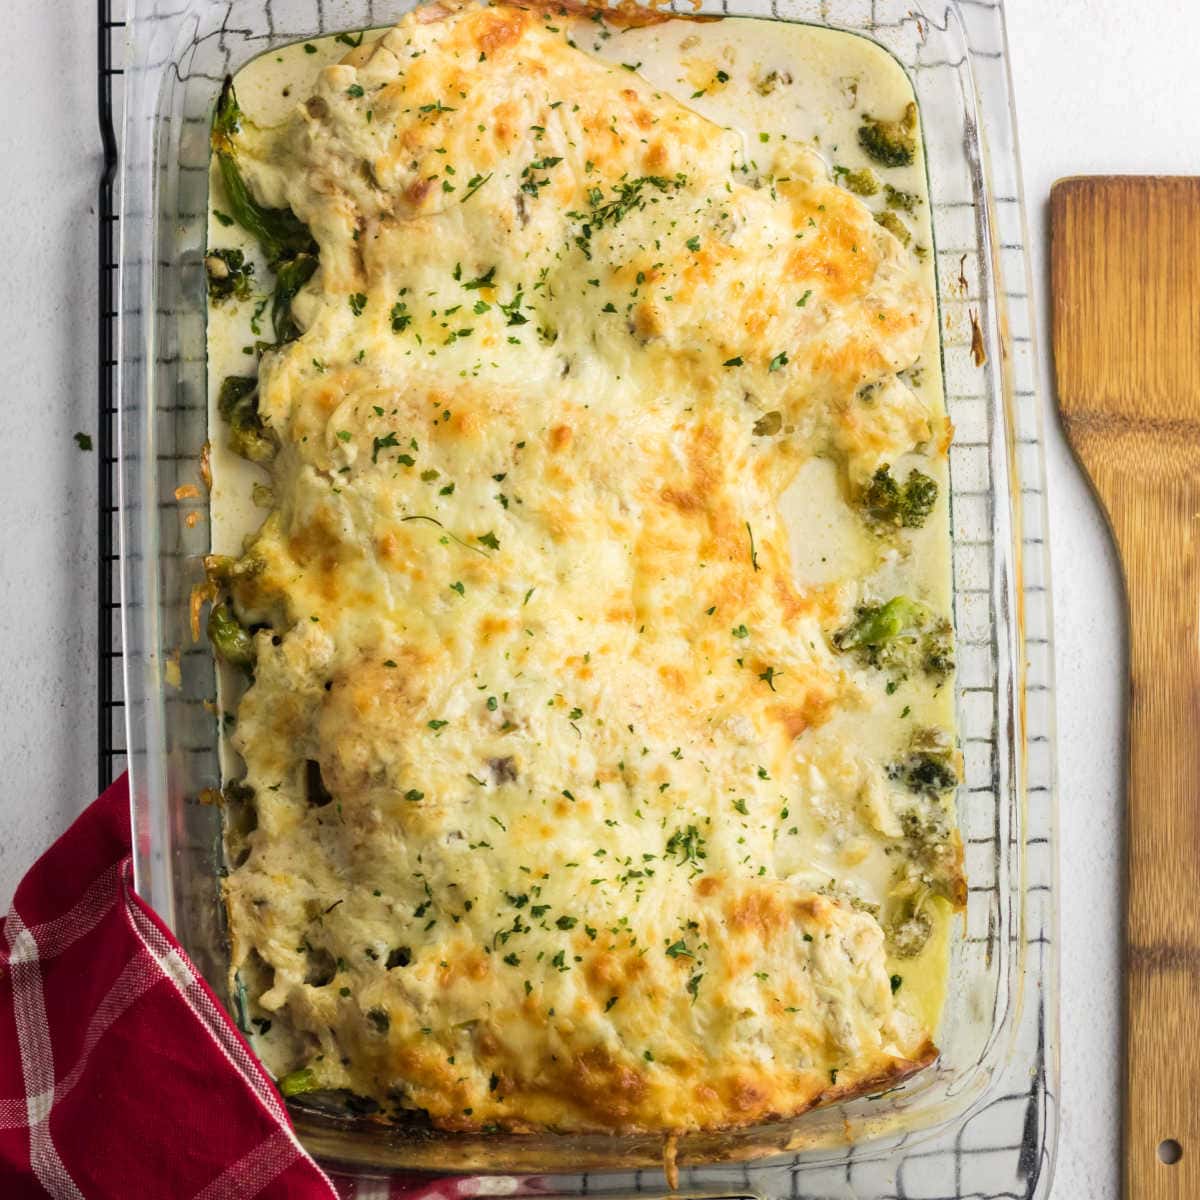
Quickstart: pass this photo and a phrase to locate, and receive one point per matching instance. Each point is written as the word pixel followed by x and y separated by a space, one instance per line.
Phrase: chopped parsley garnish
pixel 769 676
pixel 357 303
pixel 487 279
pixel 512 310
pixel 687 844
pixel 531 185
pixel 383 443
pixel 780 360
pixel 489 540
pixel 736 361
pixel 474 184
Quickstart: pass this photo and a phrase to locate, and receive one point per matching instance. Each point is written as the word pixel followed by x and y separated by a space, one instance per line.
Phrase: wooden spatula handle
pixel 1125 278
pixel 1159 539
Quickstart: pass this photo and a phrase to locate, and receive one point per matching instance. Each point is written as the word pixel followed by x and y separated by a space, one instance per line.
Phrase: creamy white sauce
pixel 769 81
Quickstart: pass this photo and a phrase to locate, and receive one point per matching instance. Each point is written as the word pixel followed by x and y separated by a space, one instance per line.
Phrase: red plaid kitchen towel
pixel 120 1074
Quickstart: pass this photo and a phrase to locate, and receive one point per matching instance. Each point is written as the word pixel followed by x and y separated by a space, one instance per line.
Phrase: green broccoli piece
pixel 894 226
pixel 228 275
pixel 285 240
pixel 280 233
pixel 223 570
pixel 925 772
pixel 906 505
pixel 862 182
pixel 290 277
pixel 904 201
pixel 296 1083
pixel 237 402
pixel 908 931
pixel 900 636
pixel 890 143
pixel 229 638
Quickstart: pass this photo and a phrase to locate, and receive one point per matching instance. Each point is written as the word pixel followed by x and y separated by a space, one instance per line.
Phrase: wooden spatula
pixel 1125 284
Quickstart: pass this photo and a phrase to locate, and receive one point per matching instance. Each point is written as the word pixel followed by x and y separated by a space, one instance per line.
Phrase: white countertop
pixel 1101 86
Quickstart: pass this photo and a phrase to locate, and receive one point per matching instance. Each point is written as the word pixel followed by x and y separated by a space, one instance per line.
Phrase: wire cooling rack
pixel 1005 1149
pixel 110 30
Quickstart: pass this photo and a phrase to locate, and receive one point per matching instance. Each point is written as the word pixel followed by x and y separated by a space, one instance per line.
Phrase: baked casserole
pixel 577 783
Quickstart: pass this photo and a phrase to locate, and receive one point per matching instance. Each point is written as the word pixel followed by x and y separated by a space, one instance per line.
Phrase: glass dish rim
pixel 142 874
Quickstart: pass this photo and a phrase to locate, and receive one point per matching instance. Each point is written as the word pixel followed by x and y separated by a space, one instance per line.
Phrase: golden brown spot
pixel 416 191
pixel 747 1096
pixel 604 970
pixel 491 627
pixel 759 910
pixel 794 719
pixel 468 422
pixel 710 885
pixel 656 158
pixel 648 321
pixel 503 28
pixel 472 966
pixel 673 677
pixel 684 501
pixel 388 548
pixel 560 437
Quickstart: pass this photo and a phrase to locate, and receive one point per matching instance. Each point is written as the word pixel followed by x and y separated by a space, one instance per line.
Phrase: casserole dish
pixel 994 1082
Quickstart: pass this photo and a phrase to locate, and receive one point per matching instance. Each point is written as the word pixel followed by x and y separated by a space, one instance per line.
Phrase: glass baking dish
pixel 982 1121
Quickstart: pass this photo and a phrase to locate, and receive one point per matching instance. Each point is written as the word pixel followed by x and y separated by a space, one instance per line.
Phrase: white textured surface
pixel 1101 86
pixel 49 146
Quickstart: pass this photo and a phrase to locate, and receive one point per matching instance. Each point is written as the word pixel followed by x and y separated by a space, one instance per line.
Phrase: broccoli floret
pixel 290 277
pixel 229 639
pixel 286 242
pixel 890 143
pixel 228 275
pixel 907 932
pixel 237 402
pixel 770 81
pixel 862 182
pixel 906 505
pixel 924 772
pixel 296 1083
pixel 905 201
pixel 899 636
pixel 894 226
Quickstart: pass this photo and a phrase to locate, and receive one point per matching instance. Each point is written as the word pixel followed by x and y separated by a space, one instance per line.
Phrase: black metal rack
pixel 110 742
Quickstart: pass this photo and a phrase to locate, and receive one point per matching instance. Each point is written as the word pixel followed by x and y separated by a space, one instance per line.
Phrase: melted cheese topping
pixel 562 821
